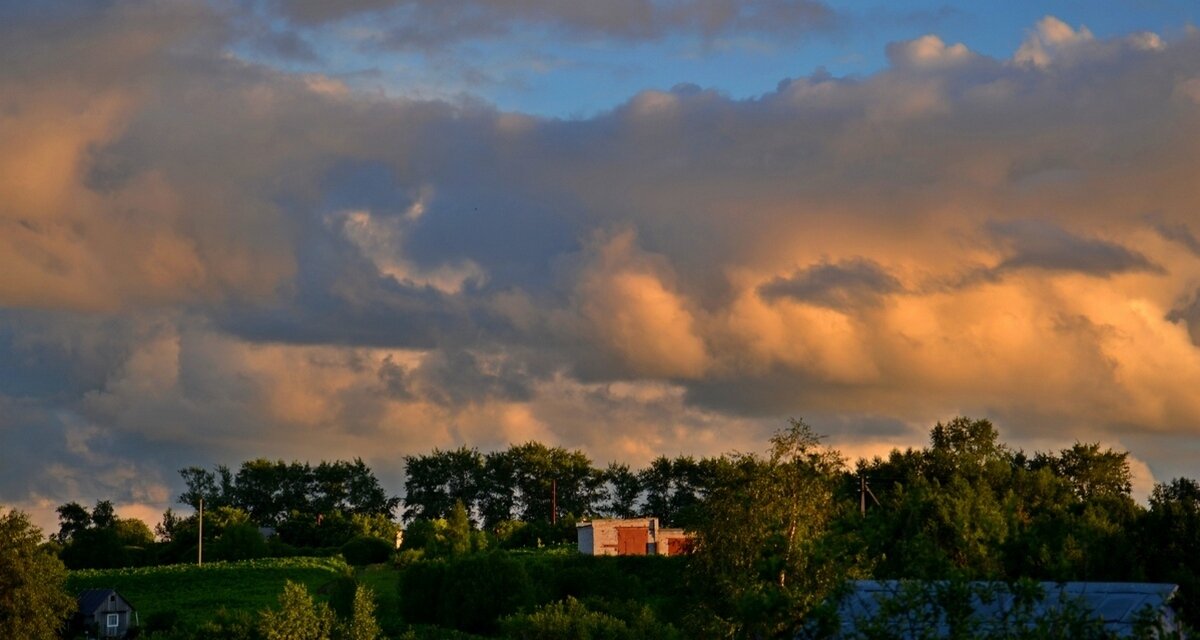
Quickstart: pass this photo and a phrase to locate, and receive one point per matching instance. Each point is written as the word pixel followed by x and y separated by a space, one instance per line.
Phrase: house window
pixel 114 620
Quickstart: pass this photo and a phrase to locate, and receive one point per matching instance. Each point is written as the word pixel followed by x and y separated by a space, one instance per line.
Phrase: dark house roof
pixel 92 599
pixel 1117 604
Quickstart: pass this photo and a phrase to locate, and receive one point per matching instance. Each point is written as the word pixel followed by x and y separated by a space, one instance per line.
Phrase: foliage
pixel 197 591
pixel 364 550
pixel 274 492
pixel 645 593
pixel 759 549
pixel 469 593
pixel 362 624
pixel 571 619
pixel 99 538
pixel 227 624
pixel 297 618
pixel 1171 541
pixel 435 482
pixel 33 603
pixel 969 506
pixel 445 537
pixel 241 541
pixel 622 490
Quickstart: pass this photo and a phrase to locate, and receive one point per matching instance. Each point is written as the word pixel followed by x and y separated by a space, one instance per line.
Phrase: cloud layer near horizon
pixel 207 260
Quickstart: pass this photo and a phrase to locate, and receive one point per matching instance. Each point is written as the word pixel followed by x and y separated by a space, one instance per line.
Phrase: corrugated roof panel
pixel 1116 603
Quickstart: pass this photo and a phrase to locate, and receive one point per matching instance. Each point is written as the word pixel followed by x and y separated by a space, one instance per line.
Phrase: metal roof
pixel 91 599
pixel 1118 604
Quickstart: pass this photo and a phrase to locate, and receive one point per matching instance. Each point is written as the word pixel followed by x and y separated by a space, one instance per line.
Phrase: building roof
pixel 91 599
pixel 1118 604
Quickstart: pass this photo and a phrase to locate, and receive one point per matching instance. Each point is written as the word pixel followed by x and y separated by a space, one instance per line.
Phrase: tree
pixel 166 529
pixel 434 481
pixel 458 531
pixel 965 447
pixel 497 500
pixel 72 518
pixel 132 532
pixel 1092 473
pixel 104 515
pixel 298 617
pixel 622 489
pixel 362 624
pixel 540 472
pixel 1170 543
pixel 351 488
pixel 759 542
pixel 33 602
pixel 201 483
pixel 240 541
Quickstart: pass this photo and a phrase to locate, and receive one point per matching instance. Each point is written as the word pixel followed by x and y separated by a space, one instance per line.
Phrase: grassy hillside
pixel 196 593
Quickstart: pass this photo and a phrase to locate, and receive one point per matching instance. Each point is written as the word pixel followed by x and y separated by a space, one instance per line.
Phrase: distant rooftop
pixel 1118 604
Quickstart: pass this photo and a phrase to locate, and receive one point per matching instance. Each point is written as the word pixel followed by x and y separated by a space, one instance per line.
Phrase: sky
pixel 296 229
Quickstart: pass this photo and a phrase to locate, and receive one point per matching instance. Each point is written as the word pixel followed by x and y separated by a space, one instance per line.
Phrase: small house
pixel 103 613
pixel 630 537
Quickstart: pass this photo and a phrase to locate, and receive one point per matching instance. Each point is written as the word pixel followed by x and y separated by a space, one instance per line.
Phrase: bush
pixel 240 541
pixel 419 589
pixel 469 593
pixel 477 590
pixel 566 619
pixel 364 550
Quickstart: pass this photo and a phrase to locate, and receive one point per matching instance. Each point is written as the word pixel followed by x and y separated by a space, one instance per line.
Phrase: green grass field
pixel 196 593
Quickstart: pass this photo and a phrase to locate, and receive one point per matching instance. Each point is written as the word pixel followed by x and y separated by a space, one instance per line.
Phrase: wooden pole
pixel 862 495
pixel 200 547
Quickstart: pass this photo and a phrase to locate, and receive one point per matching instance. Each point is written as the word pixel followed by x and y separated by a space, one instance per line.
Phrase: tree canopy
pixel 33 603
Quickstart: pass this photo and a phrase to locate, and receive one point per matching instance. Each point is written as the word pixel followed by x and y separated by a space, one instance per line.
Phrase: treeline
pixel 273 492
pixel 778 532
pixel 265 508
pixel 525 482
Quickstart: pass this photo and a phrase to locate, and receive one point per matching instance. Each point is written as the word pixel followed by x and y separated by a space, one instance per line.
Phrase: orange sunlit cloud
pixel 207 259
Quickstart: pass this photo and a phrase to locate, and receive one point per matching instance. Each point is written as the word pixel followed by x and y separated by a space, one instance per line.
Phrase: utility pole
pixel 200 547
pixel 553 501
pixel 862 495
pixel 864 490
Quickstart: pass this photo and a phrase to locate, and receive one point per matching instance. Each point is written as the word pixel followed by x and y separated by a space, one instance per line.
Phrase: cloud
pixel 1038 244
pixel 1051 36
pixel 205 260
pixel 424 24
pixel 1176 232
pixel 848 284
pixel 927 51
pixel 627 300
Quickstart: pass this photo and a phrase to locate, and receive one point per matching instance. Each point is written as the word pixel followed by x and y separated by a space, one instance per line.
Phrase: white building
pixel 630 537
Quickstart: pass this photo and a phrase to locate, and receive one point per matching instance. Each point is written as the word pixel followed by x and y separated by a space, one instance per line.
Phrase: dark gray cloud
pixel 1178 232
pixel 1041 244
pixel 847 284
pixel 1187 311
pixel 425 24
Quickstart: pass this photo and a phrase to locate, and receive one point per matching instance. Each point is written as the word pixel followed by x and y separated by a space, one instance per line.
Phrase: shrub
pixel 566 619
pixel 364 550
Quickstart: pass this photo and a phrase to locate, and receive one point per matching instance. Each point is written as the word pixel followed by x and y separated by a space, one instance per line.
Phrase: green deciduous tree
pixel 622 490
pixel 33 603
pixel 298 617
pixel 435 481
pixel 362 624
pixel 759 550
